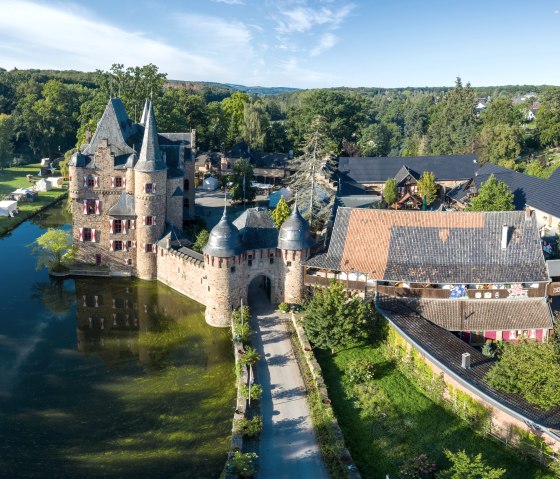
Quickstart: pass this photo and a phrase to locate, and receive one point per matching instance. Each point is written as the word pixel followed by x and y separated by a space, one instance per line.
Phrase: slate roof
pixel 224 240
pixel 378 169
pixel 295 234
pixel 435 246
pixel 527 190
pixel 178 192
pixel 460 192
pixel 404 172
pixel 263 159
pixel 124 206
pixel 476 314
pixel 150 158
pixel 257 229
pixel 447 349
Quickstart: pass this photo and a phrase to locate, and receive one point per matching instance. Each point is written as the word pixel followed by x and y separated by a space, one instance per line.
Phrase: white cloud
pixel 304 18
pixel 328 40
pixel 35 35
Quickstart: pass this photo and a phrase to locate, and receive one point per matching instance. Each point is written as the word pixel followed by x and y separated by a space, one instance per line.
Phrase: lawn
pixel 13 178
pixel 390 420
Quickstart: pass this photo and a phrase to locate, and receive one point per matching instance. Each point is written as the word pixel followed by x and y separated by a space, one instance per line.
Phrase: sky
pixel 292 43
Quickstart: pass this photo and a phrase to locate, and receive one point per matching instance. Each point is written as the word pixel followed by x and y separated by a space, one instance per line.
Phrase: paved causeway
pixel 288 448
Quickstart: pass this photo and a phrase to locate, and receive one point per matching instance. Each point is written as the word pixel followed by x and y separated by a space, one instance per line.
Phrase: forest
pixel 46 113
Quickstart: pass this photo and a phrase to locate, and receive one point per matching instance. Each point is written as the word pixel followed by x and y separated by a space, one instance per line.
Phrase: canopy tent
pixel 274 198
pixel 210 183
pixel 43 185
pixel 8 208
pixel 55 181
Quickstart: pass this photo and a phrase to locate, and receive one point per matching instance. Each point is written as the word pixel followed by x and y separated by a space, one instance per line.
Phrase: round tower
pixel 224 267
pixel 150 197
pixel 294 243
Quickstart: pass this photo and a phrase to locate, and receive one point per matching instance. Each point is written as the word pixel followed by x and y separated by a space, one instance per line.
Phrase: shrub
pixel 284 307
pixel 250 357
pixel 256 391
pixel 250 427
pixel 360 371
pixel 242 332
pixel 488 349
pixel 244 464
pixel 420 467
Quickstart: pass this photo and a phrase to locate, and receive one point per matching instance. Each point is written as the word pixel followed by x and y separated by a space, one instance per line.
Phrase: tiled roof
pixel 436 246
pixel 477 314
pixel 447 349
pixel 257 229
pixel 527 190
pixel 378 169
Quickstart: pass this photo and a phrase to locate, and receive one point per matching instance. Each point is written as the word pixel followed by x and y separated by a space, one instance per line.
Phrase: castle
pixel 131 188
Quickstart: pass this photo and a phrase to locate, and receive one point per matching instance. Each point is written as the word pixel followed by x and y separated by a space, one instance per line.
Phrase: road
pixel 288 448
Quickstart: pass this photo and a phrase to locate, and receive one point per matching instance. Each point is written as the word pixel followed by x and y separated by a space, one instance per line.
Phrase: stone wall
pixel 292 275
pixel 182 273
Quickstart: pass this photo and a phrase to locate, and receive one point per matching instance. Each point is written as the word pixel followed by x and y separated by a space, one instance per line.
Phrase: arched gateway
pixel 259 291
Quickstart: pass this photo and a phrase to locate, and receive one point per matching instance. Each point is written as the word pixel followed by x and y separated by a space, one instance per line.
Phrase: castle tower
pixel 224 267
pixel 150 178
pixel 294 242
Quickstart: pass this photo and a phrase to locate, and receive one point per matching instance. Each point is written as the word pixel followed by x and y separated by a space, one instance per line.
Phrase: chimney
pixel 505 233
pixel 527 213
pixel 466 361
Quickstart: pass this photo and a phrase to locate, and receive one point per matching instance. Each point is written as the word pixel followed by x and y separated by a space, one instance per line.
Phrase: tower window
pixel 150 188
pixel 288 263
pixel 118 182
pixel 250 263
pixel 118 245
pixel 186 202
pixel 90 181
pixel 186 184
pixel 117 226
pixel 232 269
pixel 272 260
pixel 149 247
pixel 150 220
pixel 87 234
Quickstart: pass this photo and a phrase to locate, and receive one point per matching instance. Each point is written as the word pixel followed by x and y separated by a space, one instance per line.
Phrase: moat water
pixel 107 378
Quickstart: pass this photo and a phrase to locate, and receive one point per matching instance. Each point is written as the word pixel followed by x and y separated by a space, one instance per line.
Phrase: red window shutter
pixel 93 235
pixel 84 207
pixel 85 181
pixel 112 244
pixel 145 247
pixel 145 187
pixel 97 207
pixel 81 230
pixel 134 244
pixel 124 181
pixel 123 227
pixel 111 226
pixel 153 220
pixel 96 181
pixel 153 187
pixel 143 220
pixel 154 249
pixel 112 181
pixel 132 224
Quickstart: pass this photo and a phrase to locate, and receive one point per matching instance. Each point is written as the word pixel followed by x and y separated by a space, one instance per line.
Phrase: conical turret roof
pixel 150 158
pixel 224 240
pixel 144 118
pixel 295 234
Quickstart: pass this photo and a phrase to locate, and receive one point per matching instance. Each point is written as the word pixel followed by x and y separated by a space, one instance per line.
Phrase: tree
pixel 241 179
pixel 453 123
pixel 531 369
pixel 499 143
pixel 464 466
pixel 375 140
pixel 234 108
pixel 427 187
pixel 281 212
pixel 53 249
pixel 501 112
pixel 6 140
pixel 548 118
pixel 390 191
pixel 493 195
pixel 333 319
pixel 255 124
pixel 317 159
pixel 201 240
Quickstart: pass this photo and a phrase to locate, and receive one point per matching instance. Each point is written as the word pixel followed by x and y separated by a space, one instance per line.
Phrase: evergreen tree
pixel 390 191
pixel 548 118
pixel 493 195
pixel 334 320
pixel 281 212
pixel 316 160
pixel 427 187
pixel 201 240
pixel 454 122
pixel 499 143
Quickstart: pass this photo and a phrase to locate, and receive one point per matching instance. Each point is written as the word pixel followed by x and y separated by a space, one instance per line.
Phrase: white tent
pixel 210 183
pixel 43 185
pixel 55 181
pixel 274 198
pixel 8 208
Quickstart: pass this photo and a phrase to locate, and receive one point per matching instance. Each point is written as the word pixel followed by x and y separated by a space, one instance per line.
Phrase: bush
pixel 250 357
pixel 360 371
pixel 242 332
pixel 284 307
pixel 250 427
pixel 244 464
pixel 256 391
pixel 488 349
pixel 420 467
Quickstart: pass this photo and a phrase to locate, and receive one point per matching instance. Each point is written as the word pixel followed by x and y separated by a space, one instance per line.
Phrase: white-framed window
pixel 118 182
pixel 150 188
pixel 88 235
pixel 149 220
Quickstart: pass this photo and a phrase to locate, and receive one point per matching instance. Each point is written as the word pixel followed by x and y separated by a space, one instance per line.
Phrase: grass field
pixel 390 420
pixel 14 178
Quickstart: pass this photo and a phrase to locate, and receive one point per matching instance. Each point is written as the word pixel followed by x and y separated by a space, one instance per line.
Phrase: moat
pixel 106 377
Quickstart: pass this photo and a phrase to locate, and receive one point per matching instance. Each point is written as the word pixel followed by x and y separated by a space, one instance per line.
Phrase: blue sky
pixel 297 43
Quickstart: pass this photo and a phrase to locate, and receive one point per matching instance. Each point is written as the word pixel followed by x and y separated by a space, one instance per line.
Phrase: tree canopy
pixel 493 195
pixel 333 319
pixel 241 179
pixel 390 191
pixel 464 466
pixel 427 187
pixel 53 249
pixel 281 212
